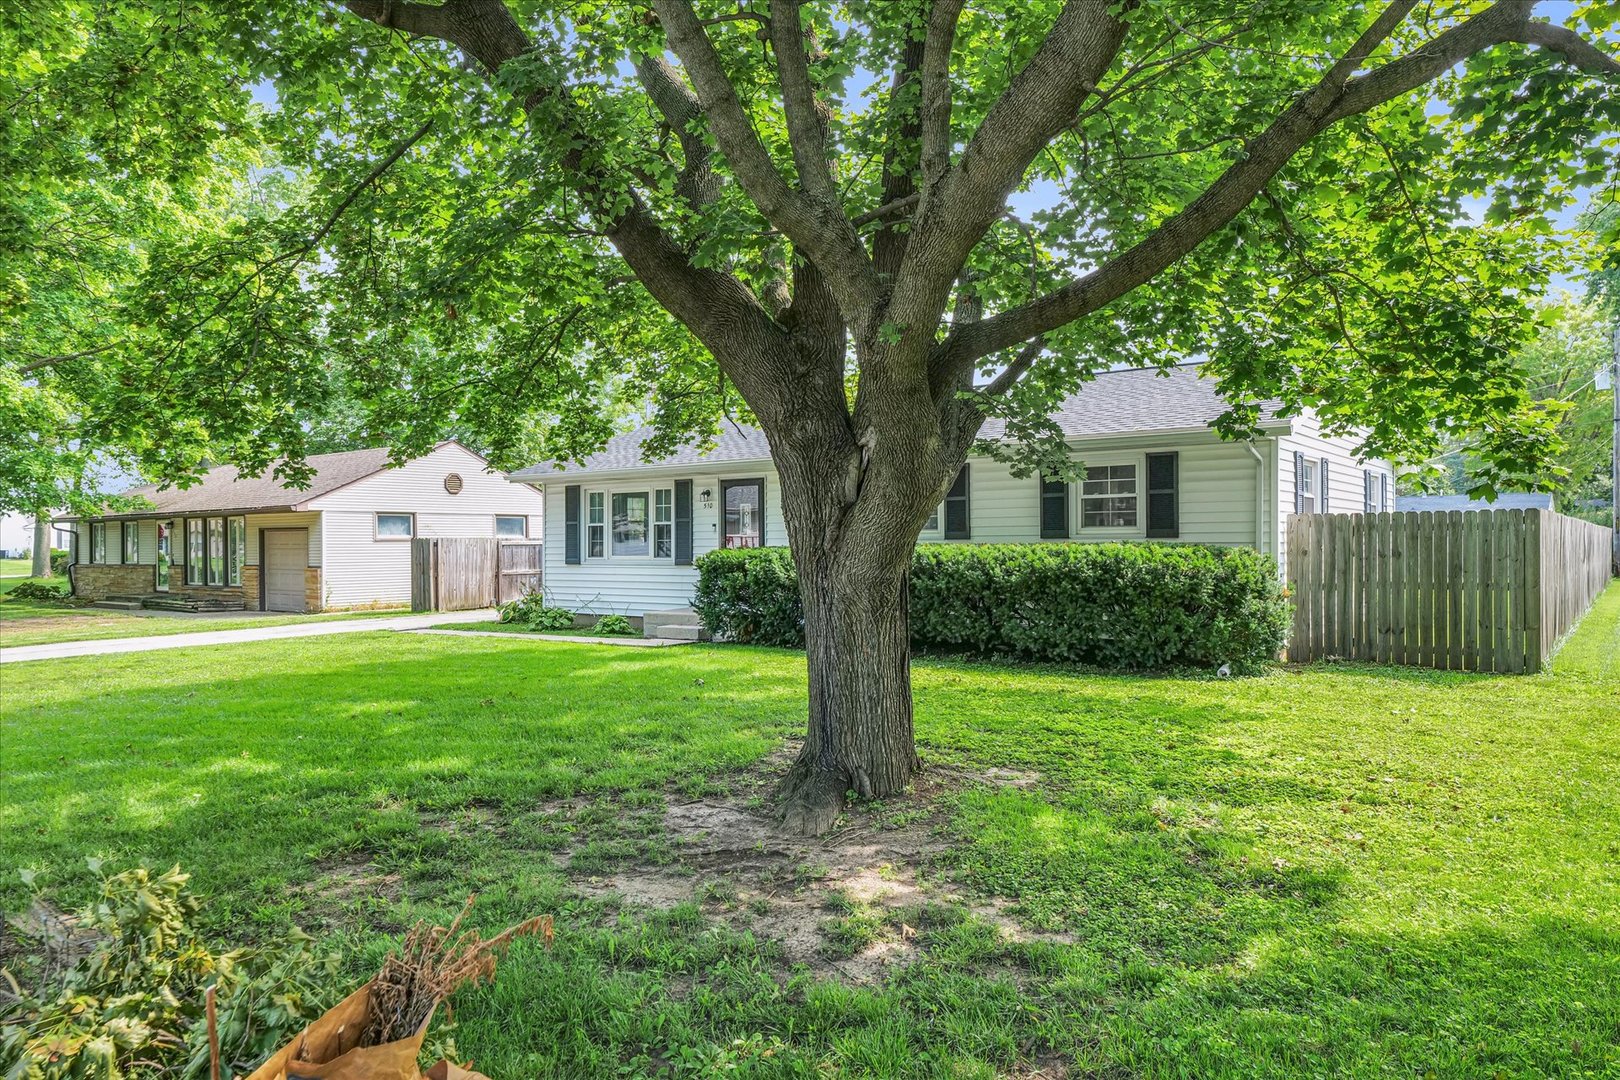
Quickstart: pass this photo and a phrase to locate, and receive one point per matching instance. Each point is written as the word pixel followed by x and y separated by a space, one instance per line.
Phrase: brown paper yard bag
pixel 331 1041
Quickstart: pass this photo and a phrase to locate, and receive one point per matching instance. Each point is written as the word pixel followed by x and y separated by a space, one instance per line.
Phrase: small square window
pixel 512 528
pixel 396 526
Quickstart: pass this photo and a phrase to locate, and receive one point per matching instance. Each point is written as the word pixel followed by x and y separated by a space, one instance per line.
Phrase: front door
pixel 285 554
pixel 165 538
pixel 744 510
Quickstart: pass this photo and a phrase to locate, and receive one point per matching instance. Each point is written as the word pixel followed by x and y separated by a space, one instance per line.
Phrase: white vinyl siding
pixel 1345 471
pixel 290 520
pixel 1217 494
pixel 361 570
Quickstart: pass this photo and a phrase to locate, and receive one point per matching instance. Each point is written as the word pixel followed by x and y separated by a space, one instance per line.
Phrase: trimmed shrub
pixel 1120 606
pixel 59 563
pixel 750 595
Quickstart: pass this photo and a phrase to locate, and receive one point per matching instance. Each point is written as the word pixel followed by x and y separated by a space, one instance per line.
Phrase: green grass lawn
pixel 1329 871
pixel 33 622
pixel 15 568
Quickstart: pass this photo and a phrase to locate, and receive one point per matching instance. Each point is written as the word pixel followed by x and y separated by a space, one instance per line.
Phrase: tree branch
pixel 1335 97
pixel 1570 45
pixel 806 132
pixel 1041 101
pixel 935 156
pixel 818 230
pixel 698 184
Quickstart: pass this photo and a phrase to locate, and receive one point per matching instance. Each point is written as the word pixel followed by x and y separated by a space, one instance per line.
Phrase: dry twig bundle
pixel 433 963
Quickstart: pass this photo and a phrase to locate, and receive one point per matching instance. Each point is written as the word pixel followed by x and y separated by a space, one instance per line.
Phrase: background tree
pixel 1561 365
pixel 869 225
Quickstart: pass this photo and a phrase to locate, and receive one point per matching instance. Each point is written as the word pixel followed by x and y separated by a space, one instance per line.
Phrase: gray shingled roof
pixel 224 488
pixel 1507 500
pixel 1135 401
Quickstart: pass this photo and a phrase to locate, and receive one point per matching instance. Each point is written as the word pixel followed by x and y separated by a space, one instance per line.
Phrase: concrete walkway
pixel 109 646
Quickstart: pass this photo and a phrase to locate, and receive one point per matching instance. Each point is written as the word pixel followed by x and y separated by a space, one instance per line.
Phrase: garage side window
pixel 396 526
pixel 512 528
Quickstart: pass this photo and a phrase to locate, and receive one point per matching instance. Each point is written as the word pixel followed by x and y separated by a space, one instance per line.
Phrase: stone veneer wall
pixel 94 581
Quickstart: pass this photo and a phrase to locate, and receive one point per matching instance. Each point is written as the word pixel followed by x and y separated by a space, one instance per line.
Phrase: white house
pixel 231 541
pixel 622 532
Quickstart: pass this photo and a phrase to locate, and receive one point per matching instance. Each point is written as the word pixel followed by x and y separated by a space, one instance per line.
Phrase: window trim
pixel 129 535
pixel 98 550
pixel 509 517
pixel 757 482
pixel 235 535
pixel 214 582
pixel 586 524
pixel 196 559
pixel 1138 462
pixel 376 526
pixel 655 524
pixel 1309 488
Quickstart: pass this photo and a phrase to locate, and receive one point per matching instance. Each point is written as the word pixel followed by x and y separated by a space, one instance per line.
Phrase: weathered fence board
pixel 1491 590
pixel 454 573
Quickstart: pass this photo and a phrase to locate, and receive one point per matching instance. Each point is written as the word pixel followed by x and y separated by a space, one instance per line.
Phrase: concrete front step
pixel 681 624
pixel 112 604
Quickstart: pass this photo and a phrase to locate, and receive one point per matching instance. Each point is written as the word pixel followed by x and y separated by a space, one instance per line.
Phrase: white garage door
pixel 285 553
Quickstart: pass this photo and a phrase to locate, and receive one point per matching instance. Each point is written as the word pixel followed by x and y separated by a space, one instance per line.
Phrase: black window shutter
pixel 1366 491
pixel 683 523
pixel 1322 488
pixel 956 508
pixel 1163 495
pixel 571 524
pixel 1054 509
pixel 1299 482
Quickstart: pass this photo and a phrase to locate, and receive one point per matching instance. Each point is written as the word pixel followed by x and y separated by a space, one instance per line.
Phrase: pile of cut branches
pixel 433 963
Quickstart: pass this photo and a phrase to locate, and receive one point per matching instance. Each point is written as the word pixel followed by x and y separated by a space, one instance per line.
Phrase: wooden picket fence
pixel 1487 590
pixel 465 573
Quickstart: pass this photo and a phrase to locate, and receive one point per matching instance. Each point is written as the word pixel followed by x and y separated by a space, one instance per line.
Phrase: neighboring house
pixel 343 542
pixel 1507 500
pixel 622 532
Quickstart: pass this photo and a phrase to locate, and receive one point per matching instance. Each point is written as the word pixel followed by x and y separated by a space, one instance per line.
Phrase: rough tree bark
pixel 857 482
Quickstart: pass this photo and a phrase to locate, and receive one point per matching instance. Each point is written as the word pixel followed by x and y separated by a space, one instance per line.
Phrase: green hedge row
pixel 1123 606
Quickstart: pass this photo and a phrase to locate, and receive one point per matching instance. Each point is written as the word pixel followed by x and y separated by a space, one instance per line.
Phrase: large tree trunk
pixel 852 542
pixel 858 646
pixel 42 545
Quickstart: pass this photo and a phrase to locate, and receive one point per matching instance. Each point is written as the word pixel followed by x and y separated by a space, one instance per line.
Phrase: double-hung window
pixel 195 551
pixel 131 543
pixel 595 524
pixel 664 523
pixel 1308 485
pixel 513 527
pixel 1108 497
pixel 630 522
